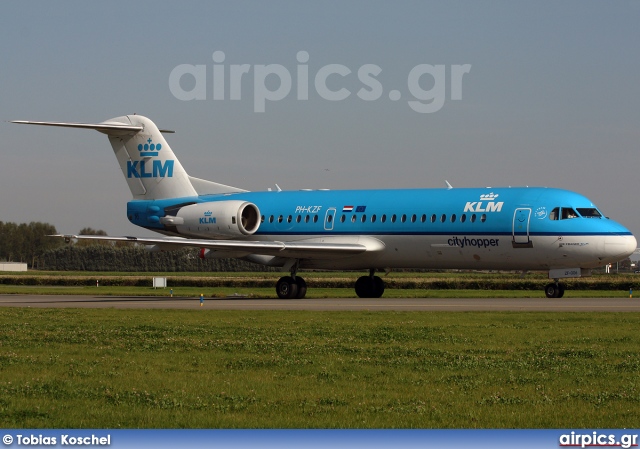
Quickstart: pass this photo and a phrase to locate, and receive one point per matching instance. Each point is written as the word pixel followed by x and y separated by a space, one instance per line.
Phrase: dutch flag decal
pixel 347 209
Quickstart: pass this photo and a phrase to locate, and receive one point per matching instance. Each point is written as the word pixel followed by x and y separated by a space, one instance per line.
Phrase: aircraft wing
pixel 320 248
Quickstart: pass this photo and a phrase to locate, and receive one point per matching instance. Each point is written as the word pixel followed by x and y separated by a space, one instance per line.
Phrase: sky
pixel 478 93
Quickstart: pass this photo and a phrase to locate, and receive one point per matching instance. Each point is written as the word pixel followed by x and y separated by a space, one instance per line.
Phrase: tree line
pixel 136 258
pixel 28 243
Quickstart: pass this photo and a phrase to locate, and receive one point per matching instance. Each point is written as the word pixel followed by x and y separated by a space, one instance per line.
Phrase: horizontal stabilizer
pixel 105 127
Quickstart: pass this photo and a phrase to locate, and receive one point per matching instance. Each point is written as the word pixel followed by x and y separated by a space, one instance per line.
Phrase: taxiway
pixel 391 304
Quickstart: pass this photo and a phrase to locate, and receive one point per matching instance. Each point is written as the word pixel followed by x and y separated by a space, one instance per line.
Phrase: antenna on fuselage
pixel 449 186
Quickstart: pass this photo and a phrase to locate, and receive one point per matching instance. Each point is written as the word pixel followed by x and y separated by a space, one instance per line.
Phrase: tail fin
pixel 150 167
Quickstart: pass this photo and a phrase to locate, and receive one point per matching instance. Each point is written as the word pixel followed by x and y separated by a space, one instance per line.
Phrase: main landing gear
pixel 291 287
pixel 369 286
pixel 294 287
pixel 554 290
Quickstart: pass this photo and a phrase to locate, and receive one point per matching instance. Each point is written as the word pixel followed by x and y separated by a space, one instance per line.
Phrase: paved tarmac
pixel 392 304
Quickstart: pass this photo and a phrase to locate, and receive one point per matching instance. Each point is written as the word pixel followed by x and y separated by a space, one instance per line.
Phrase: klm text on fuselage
pixel 477 206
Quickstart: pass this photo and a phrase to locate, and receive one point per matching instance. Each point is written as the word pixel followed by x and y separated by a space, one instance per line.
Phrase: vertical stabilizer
pixel 148 164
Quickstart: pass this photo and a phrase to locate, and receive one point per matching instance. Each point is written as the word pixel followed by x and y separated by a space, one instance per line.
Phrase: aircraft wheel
pixel 287 288
pixel 364 287
pixel 302 287
pixel 378 287
pixel 369 287
pixel 553 291
pixel 560 290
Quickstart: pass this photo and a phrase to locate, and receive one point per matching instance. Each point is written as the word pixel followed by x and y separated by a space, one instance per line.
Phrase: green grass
pixel 312 292
pixel 321 284
pixel 86 368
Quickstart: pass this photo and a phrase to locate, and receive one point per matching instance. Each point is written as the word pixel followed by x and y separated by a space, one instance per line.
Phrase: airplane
pixel 509 228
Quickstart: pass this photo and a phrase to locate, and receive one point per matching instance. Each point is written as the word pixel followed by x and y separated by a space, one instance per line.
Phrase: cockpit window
pixel 589 212
pixel 567 213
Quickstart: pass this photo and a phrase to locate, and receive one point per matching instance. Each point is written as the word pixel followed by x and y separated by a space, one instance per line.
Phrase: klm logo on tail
pixel 149 149
pixel 157 168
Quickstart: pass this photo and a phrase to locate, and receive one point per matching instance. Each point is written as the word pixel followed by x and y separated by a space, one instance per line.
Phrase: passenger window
pixel 343 218
pixel 306 219
pixel 289 218
pixel 262 219
pixel 271 219
pixel 353 218
pixel 298 218
pixel 393 218
pixel 473 218
pixel 443 218
pixel 433 218
pixel 373 218
pixel 553 215
pixel 329 218
pixel 280 219
pixel 364 218
pixel 483 218
pixel 384 218
pixel 403 218
pixel 315 218
pixel 413 218
pixel 453 218
pixel 423 218
pixel 463 218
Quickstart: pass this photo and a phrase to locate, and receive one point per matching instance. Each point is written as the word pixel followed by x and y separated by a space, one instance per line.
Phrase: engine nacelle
pixel 219 219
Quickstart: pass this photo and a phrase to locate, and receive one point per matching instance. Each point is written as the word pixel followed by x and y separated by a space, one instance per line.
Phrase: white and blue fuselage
pixel 524 228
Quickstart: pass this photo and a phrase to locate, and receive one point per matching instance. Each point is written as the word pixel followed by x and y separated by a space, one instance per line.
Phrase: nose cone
pixel 618 247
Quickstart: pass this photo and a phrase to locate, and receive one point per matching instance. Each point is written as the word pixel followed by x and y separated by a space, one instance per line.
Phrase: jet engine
pixel 217 219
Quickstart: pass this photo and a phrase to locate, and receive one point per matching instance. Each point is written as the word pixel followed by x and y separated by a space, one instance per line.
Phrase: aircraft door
pixel 329 218
pixel 521 218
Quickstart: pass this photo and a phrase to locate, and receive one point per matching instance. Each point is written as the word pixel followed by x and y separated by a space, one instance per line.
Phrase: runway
pixel 326 304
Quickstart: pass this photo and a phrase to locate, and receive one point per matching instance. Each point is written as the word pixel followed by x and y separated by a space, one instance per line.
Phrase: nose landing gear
pixel 554 290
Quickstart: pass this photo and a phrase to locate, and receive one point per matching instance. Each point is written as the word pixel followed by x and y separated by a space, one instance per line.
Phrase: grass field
pixel 321 284
pixel 255 292
pixel 72 368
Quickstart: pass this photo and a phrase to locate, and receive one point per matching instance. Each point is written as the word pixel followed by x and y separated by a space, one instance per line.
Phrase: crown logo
pixel 488 196
pixel 149 149
pixel 208 213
